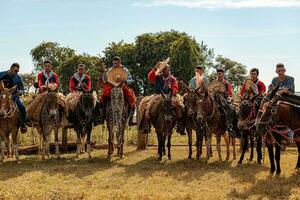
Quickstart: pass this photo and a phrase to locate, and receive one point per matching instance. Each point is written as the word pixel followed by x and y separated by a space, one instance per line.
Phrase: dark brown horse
pixel 209 115
pixel 190 123
pixel 246 123
pixel 164 124
pixel 282 110
pixel 9 121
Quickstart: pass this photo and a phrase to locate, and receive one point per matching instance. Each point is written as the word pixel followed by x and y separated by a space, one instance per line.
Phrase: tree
pixel 69 67
pixel 50 51
pixel 28 80
pixel 235 72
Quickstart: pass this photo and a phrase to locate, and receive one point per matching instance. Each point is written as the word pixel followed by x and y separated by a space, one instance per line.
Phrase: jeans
pixel 21 107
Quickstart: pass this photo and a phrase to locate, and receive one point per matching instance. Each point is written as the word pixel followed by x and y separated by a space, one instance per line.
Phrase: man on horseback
pixel 47 77
pixel 11 78
pixel 285 82
pixel 199 79
pixel 259 87
pixel 80 81
pixel 164 83
pixel 107 87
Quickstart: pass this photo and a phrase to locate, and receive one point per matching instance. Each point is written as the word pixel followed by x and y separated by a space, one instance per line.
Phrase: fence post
pixel 142 139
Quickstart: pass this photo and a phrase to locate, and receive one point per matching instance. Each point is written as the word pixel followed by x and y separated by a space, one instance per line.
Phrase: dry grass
pixel 141 176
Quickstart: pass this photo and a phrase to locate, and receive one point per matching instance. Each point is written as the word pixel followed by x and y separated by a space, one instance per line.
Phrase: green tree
pixel 28 81
pixel 50 51
pixel 235 72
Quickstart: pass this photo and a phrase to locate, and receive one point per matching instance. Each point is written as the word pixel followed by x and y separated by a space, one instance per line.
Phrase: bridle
pixel 9 113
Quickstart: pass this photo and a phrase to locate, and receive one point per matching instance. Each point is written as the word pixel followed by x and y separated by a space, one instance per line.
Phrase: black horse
pixel 82 118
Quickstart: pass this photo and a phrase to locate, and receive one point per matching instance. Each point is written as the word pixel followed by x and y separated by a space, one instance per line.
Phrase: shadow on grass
pixel 272 187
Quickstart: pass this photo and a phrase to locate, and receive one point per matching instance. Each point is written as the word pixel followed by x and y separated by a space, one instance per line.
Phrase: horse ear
pixel 184 86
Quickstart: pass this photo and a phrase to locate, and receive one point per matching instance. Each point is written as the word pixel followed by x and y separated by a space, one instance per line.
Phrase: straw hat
pixel 116 76
pixel 249 84
pixel 216 86
pixel 162 65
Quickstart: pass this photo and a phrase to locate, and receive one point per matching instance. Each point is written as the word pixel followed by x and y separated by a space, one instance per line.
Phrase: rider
pixel 199 79
pixel 47 77
pixel 225 106
pixel 285 82
pixel 11 78
pixel 128 92
pixel 260 87
pixel 164 82
pixel 80 80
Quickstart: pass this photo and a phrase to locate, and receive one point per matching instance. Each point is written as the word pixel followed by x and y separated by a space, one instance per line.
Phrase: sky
pixel 257 33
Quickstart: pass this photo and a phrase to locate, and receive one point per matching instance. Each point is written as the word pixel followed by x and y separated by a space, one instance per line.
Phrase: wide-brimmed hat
pixel 249 85
pixel 116 76
pixel 162 65
pixel 216 86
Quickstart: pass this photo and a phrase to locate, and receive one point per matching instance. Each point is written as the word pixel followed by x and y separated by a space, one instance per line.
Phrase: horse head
pixel 5 99
pixel 52 103
pixel 204 107
pixel 190 100
pixel 167 110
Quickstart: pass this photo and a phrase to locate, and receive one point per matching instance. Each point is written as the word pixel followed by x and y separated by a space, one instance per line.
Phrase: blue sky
pixel 257 33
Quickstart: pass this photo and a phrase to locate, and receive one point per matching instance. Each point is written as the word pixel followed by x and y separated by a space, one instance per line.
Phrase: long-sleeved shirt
pixel 12 80
pixel 228 87
pixel 52 78
pixel 260 86
pixel 76 82
pixel 288 82
pixel 162 84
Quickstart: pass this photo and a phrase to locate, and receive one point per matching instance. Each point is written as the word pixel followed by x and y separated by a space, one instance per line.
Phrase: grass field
pixel 141 176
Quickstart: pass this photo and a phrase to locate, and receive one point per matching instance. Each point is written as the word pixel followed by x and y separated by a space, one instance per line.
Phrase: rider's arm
pixel 71 85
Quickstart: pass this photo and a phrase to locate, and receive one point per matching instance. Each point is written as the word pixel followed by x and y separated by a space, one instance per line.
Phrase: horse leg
pixel 189 131
pixel 9 153
pixel 160 144
pixel 244 141
pixel 227 141
pixel 169 145
pixel 2 147
pixel 78 142
pixel 48 145
pixel 15 144
pixel 43 146
pixel 219 147
pixel 110 140
pixel 277 154
pixel 259 149
pixel 208 147
pixel 88 142
pixel 56 143
pixel 271 156
pixel 199 150
pixel 233 147
pixel 298 162
pixel 251 147
pixel 121 142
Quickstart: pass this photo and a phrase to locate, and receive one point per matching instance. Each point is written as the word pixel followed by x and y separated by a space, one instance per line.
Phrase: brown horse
pixel 164 124
pixel 9 121
pixel 214 122
pixel 190 123
pixel 282 110
pixel 246 123
pixel 51 118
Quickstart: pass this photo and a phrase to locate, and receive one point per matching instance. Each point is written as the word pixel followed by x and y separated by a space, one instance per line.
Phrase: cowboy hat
pixel 116 76
pixel 216 86
pixel 162 65
pixel 249 84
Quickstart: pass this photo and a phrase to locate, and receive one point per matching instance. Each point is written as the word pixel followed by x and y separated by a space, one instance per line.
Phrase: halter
pixel 10 111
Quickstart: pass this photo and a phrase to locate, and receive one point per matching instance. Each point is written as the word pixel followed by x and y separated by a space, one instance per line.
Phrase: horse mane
pixel 294 99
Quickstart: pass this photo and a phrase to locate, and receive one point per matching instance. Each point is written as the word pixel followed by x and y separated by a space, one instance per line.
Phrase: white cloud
pixel 213 4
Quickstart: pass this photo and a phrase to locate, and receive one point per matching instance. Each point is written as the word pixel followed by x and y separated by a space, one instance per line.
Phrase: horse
pixel 190 101
pixel 82 119
pixel 246 123
pixel 9 122
pixel 282 110
pixel 51 118
pixel 164 124
pixel 116 117
pixel 214 122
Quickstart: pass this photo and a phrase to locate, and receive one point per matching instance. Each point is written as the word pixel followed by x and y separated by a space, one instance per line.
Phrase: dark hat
pixel 198 67
pixel 220 69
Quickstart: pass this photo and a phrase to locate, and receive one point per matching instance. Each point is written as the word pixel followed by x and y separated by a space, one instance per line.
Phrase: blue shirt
pixel 288 82
pixel 193 83
pixel 12 81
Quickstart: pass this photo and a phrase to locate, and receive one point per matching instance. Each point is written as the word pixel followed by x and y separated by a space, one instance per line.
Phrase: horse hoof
pixel 58 157
pixel 190 157
pixel 259 162
pixel 278 173
pixel 169 158
pixel 18 162
pixel 198 157
pixel 240 162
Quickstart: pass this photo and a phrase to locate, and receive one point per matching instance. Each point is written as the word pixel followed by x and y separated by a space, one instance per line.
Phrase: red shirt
pixel 169 81
pixel 260 85
pixel 74 83
pixel 228 87
pixel 42 79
